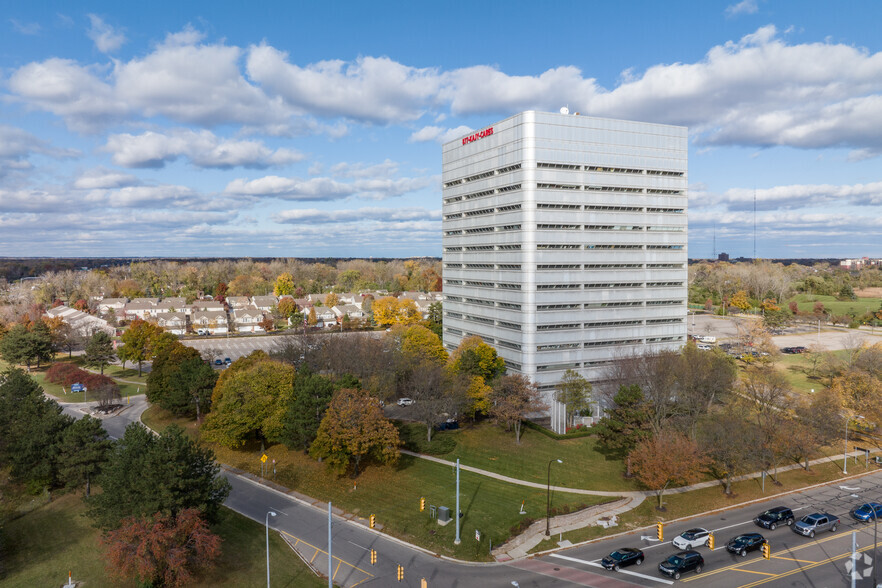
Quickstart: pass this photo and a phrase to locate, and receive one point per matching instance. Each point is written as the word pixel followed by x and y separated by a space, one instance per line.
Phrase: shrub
pixel 63 373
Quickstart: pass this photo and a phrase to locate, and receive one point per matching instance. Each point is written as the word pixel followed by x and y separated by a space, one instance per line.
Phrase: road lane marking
pixel 753 572
pixel 318 551
pixel 808 567
pixel 793 559
pixel 597 565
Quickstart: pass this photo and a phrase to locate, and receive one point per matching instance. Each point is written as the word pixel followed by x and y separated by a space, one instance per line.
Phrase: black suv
pixel 774 517
pixel 744 543
pixel 681 562
pixel 621 558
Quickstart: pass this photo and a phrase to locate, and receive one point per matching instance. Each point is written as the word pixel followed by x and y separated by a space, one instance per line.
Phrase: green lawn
pixel 59 393
pixel 488 505
pixel 491 448
pixel 43 545
pixel 806 303
pixel 797 368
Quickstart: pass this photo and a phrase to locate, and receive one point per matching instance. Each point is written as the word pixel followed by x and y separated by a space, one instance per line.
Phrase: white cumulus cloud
pixel 106 38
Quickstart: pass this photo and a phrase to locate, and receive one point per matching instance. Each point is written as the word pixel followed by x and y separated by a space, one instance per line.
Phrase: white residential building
pixel 247 320
pixel 83 323
pixel 173 322
pixel 212 320
pixel 565 242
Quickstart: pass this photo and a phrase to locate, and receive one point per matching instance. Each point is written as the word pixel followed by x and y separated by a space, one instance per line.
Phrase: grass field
pixel 491 448
pixel 806 303
pixel 488 505
pixel 797 369
pixel 44 544
pixel 681 505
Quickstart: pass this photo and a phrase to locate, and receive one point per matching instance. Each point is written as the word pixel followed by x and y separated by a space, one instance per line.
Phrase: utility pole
pixel 457 541
pixel 330 559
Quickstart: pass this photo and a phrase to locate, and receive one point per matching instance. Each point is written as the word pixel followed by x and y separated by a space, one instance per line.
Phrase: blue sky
pixel 314 129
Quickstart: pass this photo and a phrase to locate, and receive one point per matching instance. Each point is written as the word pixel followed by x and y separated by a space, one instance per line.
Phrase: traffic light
pixel 660 531
pixel 710 541
pixel 373 557
pixel 422 504
pixel 400 572
pixel 767 550
pixel 373 521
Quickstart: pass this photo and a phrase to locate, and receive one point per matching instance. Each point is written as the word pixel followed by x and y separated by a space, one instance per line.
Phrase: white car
pixel 704 347
pixel 691 539
pixel 405 401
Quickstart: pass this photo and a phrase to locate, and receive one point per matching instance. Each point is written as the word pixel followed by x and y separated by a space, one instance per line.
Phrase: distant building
pixel 723 257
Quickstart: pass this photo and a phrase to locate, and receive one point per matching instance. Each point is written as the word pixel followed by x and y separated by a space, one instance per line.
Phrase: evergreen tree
pixel 312 394
pixel 83 452
pixel 624 426
pixel 146 474
pixel 99 351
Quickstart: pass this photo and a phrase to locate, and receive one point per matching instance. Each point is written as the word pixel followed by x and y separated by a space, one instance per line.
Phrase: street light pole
pixel 268 515
pixel 456 540
pixel 845 454
pixel 548 499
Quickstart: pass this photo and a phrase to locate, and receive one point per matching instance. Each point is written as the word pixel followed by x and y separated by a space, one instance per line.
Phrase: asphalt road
pixel 795 561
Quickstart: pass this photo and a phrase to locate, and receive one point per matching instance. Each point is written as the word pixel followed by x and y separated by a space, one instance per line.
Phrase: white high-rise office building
pixel 565 241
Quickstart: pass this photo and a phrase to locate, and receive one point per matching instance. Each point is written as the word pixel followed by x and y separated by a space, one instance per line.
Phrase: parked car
pixel 704 347
pixel 741 544
pixel 867 512
pixel 680 563
pixel 707 339
pixel 227 361
pixel 218 362
pixel 405 401
pixel 774 517
pixel 811 524
pixel 448 425
pixel 691 539
pixel 621 558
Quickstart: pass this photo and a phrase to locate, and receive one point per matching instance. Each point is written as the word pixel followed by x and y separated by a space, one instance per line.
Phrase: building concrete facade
pixel 565 241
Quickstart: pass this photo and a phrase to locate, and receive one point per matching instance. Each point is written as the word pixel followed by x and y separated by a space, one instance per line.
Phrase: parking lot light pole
pixel 548 499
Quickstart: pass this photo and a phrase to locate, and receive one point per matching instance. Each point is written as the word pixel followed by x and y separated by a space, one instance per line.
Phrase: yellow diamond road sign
pixel 263 458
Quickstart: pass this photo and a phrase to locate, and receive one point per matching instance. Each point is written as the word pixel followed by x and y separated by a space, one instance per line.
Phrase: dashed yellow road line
pixel 806 568
pixel 793 559
pixel 753 572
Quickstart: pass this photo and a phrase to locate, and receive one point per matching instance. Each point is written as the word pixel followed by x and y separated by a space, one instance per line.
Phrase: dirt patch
pixel 869 293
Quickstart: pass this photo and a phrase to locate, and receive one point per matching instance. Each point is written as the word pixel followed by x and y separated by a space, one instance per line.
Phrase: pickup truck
pixel 815 523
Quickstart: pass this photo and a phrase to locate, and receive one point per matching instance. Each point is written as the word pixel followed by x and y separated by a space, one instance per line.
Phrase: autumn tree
pixel 623 426
pixel 395 311
pixel 286 307
pixel 83 452
pixel 435 320
pixel 137 343
pixel 723 436
pixel 418 341
pixel 99 351
pixel 332 300
pixel 147 474
pixel 353 430
pixel 161 550
pixel 249 401
pixel 284 284
pixel 740 300
pixel 476 358
pixel 312 318
pixel 665 460
pixel 861 393
pixel 513 398
pixel 436 394
pixel 575 392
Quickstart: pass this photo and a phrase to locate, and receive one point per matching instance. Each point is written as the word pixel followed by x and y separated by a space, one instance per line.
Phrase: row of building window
pixel 572 306
pixel 606 169
pixel 483 175
pixel 567 167
pixel 607 324
pixel 488 340
pixel 576 246
pixel 577 227
pixel 572 188
pixel 564 286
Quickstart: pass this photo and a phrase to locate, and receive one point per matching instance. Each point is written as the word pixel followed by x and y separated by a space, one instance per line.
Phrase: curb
pixel 699 514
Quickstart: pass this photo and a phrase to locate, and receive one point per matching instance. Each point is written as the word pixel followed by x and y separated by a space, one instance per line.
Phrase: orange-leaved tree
pixel 668 459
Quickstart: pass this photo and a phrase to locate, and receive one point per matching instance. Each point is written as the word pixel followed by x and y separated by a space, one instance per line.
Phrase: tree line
pixel 154 496
pixel 677 417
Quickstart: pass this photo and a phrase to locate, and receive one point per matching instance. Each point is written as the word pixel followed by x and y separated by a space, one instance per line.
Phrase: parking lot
pixel 726 328
pixel 212 348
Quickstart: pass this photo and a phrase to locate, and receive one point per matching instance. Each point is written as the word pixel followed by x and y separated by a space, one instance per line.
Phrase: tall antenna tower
pixel 754 224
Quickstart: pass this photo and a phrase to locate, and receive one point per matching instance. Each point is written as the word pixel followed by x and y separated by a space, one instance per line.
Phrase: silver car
pixel 811 524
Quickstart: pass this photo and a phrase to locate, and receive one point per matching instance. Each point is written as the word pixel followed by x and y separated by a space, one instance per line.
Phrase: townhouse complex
pixel 565 241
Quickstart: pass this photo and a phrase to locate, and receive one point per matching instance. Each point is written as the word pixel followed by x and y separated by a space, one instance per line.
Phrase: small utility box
pixel 443 515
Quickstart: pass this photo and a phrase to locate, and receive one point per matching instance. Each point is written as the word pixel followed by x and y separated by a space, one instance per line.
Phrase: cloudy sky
pixel 314 129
